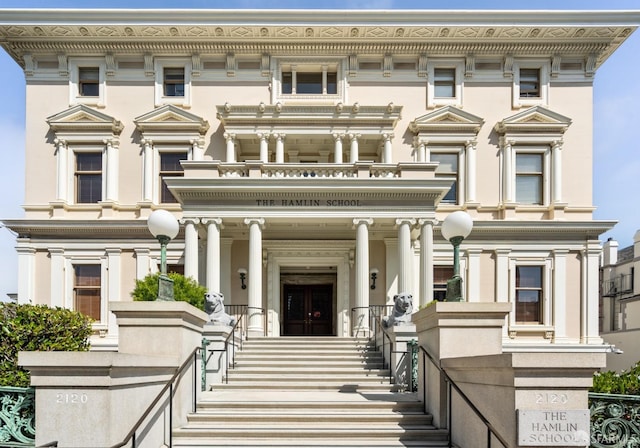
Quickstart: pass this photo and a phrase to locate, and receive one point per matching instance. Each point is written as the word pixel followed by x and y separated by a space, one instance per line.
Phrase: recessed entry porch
pixel 308 288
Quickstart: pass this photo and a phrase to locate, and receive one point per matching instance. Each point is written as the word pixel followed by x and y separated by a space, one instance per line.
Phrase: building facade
pixel 311 160
pixel 620 301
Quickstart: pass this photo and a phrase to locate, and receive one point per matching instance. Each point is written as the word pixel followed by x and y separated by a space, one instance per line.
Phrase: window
pixel 87 289
pixel 441 274
pixel 174 81
pixel 89 81
pixel 448 168
pixel 444 82
pixel 529 83
pixel 529 176
pixel 529 294
pixel 309 83
pixel 170 167
pixel 88 177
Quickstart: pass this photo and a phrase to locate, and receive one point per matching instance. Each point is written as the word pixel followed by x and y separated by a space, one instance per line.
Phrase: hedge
pixel 185 289
pixel 37 328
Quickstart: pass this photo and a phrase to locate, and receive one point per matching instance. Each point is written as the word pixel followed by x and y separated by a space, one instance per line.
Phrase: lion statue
pixel 402 309
pixel 214 307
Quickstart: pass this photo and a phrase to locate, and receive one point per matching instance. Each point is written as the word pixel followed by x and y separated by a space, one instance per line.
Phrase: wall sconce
pixel 374 276
pixel 243 276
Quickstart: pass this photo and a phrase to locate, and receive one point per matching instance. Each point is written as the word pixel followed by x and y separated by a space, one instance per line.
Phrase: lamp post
pixel 455 228
pixel 164 226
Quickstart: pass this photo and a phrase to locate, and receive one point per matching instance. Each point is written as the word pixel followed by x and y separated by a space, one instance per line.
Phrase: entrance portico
pixel 330 219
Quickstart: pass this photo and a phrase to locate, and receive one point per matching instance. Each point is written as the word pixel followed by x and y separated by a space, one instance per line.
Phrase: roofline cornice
pixel 287 17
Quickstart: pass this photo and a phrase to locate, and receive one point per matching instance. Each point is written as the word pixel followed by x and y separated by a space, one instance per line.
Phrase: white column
pixel 114 281
pixel 56 296
pixel 422 152
pixel 142 262
pixel 197 149
pixel 147 167
pixel 590 291
pixel 279 147
pixel 62 179
pixel 426 260
pixel 254 276
pixel 225 268
pixel 502 285
pixel 26 273
pixel 472 289
pixel 471 170
pixel 353 154
pixel 337 153
pixel 191 247
pixel 112 170
pixel 559 295
pixel 404 254
pixel 231 146
pixel 213 253
pixel 264 147
pixel 556 167
pixel 508 176
pixel 391 249
pixel 361 316
pixel 387 155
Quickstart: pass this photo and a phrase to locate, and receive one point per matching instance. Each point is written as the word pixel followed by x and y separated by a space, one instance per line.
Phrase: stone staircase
pixel 308 392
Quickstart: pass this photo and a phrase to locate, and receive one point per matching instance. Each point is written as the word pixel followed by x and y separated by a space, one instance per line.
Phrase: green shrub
pixel 624 383
pixel 185 289
pixel 37 328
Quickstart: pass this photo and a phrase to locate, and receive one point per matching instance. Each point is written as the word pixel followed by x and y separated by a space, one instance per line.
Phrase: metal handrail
pixel 131 436
pixel 49 445
pixel 490 429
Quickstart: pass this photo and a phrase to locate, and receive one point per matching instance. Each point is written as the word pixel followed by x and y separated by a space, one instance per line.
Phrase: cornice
pixel 552 230
pixel 294 32
pixel 67 228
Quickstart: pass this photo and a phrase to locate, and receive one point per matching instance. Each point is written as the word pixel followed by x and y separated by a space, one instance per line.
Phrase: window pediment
pixel 82 119
pixel 537 120
pixel 173 119
pixel 448 119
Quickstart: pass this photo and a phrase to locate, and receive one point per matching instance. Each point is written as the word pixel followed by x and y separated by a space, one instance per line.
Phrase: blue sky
pixel 617 117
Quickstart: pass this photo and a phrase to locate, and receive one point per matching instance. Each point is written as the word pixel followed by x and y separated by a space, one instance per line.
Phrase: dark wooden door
pixel 308 310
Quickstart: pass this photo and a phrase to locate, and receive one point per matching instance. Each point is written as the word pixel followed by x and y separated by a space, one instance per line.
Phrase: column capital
pixel 427 221
pixel 113 251
pixel 250 221
pixel 410 221
pixel 147 142
pixel 194 221
pixel 263 135
pixel 60 142
pixel 279 136
pixel 216 221
pixel 228 136
pixel 471 143
pixel 354 137
pixel 387 136
pixel 502 252
pixel 358 221
pixel 556 144
pixel 337 136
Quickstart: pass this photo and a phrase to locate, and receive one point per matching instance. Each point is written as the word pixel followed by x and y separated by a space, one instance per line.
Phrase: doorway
pixel 307 310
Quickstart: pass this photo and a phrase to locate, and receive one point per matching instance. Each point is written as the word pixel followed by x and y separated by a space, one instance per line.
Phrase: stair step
pixel 308 392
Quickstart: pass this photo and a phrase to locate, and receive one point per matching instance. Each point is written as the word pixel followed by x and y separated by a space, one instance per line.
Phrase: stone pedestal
pixel 529 397
pixel 216 359
pixel 93 399
pixel 400 364
pixel 452 330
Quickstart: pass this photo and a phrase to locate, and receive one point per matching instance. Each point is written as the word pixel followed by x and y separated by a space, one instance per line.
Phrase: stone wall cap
pixel 158 309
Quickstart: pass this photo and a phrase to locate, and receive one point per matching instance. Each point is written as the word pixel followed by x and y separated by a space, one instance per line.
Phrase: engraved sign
pixel 553 427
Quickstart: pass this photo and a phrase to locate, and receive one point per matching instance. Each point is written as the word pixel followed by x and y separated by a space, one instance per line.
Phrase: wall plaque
pixel 553 427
